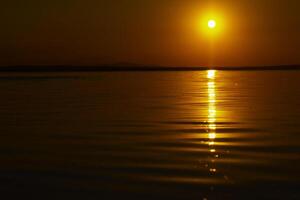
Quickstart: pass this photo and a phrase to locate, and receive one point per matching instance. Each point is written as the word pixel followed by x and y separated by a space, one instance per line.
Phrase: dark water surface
pixel 150 135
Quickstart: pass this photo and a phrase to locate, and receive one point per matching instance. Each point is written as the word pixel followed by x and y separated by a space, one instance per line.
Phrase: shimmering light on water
pixel 212 116
pixel 211 74
pixel 161 135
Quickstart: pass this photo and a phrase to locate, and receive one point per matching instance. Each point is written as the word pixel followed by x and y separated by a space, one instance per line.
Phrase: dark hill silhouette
pixel 112 68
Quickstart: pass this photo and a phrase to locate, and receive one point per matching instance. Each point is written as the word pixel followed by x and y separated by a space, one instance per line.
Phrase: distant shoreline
pixel 139 68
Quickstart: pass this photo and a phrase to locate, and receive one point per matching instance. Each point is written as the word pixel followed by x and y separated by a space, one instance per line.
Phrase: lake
pixel 150 135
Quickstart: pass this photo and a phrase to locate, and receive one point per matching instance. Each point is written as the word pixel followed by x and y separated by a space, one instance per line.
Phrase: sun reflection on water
pixel 211 116
pixel 211 74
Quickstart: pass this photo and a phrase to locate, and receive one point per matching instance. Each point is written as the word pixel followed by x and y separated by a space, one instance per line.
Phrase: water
pixel 150 135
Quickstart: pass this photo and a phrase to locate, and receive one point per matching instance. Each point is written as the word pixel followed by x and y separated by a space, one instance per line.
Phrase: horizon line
pixel 115 68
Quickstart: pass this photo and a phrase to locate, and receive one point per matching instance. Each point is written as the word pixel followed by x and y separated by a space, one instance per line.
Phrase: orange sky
pixel 149 32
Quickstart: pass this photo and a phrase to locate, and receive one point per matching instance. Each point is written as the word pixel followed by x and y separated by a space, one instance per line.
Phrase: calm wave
pixel 151 135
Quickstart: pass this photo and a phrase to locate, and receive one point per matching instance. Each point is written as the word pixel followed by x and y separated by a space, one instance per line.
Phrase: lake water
pixel 150 135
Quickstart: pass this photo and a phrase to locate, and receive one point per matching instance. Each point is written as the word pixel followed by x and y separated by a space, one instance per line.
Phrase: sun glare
pixel 211 74
pixel 212 24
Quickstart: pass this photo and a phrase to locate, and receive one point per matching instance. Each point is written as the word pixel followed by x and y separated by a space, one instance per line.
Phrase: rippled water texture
pixel 151 135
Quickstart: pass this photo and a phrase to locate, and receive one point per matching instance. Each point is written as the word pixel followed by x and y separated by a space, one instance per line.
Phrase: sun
pixel 212 24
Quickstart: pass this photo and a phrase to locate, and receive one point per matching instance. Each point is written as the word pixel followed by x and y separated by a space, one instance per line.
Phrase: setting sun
pixel 212 24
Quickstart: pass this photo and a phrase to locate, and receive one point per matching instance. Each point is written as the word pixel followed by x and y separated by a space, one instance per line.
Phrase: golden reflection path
pixel 212 117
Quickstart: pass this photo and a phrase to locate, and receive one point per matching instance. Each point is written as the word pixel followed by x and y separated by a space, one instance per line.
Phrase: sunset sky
pixel 149 32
